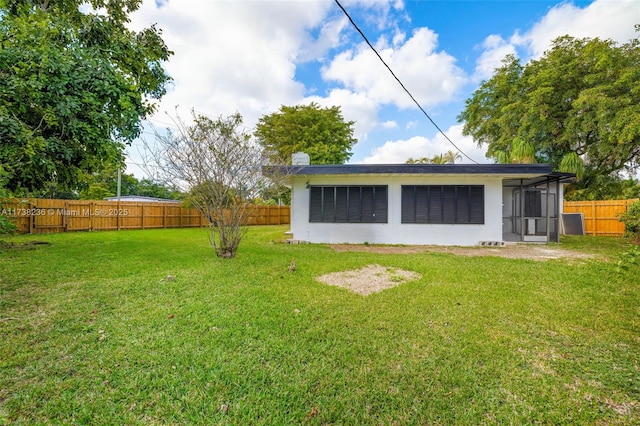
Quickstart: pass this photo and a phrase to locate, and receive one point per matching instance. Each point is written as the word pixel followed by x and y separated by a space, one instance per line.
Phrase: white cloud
pixel 431 76
pixel 495 49
pixel 381 10
pixel 355 107
pixel 329 37
pixel 399 151
pixel 389 124
pixel 235 56
pixel 606 19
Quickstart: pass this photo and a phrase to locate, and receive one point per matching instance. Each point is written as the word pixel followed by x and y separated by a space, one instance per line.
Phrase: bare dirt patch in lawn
pixel 513 251
pixel 369 279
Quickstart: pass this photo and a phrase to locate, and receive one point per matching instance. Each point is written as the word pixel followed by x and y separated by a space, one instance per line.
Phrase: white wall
pixel 395 232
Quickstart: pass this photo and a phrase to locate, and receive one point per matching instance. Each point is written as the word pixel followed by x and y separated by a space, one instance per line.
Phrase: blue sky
pixel 252 57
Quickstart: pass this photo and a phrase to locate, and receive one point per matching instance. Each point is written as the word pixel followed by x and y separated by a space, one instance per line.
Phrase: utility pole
pixel 119 183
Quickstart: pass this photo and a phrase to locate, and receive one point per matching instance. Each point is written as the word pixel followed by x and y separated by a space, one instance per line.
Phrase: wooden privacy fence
pixel 37 216
pixel 600 217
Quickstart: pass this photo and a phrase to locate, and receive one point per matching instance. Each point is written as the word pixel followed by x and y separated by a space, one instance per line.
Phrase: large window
pixel 443 204
pixel 349 204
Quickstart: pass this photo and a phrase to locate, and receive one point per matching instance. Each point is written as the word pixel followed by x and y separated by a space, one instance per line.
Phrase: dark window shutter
pixel 368 207
pixel 315 204
pixel 463 206
pixel 442 204
pixel 328 204
pixel 422 204
pixel 380 204
pixel 435 204
pixel 477 204
pixel 341 204
pixel 348 204
pixel 408 204
pixel 448 204
pixel 355 205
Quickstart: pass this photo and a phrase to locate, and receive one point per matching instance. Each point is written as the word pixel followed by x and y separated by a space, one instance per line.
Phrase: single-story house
pixel 439 204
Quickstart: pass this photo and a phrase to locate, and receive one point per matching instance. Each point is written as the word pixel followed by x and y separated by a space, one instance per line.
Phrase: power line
pixel 400 82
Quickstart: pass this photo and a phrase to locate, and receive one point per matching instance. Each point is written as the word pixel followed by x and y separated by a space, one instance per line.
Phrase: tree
pixel 423 160
pixel 74 86
pixel 605 187
pixel 220 166
pixel 6 225
pixel 105 184
pixel 448 157
pixel 631 220
pixel 577 108
pixel 320 132
pixel 438 159
pixel 149 188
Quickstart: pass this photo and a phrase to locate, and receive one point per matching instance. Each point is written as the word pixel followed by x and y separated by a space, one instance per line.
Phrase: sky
pixel 252 57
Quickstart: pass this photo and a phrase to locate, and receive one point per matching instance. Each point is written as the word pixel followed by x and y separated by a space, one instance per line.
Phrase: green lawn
pixel 93 332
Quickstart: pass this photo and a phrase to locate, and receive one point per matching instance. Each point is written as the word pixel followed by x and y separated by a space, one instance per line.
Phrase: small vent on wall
pixel 492 243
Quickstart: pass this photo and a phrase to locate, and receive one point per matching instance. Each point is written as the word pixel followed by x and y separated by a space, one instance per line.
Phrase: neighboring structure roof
pixel 142 199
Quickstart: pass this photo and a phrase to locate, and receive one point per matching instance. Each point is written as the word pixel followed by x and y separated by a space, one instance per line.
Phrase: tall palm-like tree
pixel 451 157
pixel 423 160
pixel 523 152
pixel 438 159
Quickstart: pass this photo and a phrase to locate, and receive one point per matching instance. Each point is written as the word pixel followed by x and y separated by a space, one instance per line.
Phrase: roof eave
pixel 506 170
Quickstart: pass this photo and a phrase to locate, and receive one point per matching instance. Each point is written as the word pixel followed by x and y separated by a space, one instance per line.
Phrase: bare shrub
pixel 220 165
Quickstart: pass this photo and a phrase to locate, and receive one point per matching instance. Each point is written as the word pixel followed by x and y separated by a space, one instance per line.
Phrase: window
pixel 443 204
pixel 348 204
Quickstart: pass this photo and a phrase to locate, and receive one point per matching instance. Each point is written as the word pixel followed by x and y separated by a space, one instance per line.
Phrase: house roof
pixel 510 170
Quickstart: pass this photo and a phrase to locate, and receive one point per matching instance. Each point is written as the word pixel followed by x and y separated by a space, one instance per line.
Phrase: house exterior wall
pixel 395 232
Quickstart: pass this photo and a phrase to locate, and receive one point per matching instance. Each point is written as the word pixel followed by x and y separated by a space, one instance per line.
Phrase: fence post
pixel 31 219
pixel 65 217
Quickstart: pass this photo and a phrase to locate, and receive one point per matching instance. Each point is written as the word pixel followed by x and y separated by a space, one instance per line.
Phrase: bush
pixel 6 225
pixel 631 220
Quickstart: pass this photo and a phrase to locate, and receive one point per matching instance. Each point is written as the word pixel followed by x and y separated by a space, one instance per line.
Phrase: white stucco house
pixel 426 204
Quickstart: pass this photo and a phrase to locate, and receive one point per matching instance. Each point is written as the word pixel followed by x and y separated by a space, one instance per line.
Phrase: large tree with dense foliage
pixel 74 85
pixel 320 132
pixel 577 107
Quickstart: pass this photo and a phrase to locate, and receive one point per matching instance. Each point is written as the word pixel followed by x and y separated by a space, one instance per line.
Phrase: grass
pixel 93 332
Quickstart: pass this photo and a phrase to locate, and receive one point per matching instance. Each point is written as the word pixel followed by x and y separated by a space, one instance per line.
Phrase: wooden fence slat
pixel 48 215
